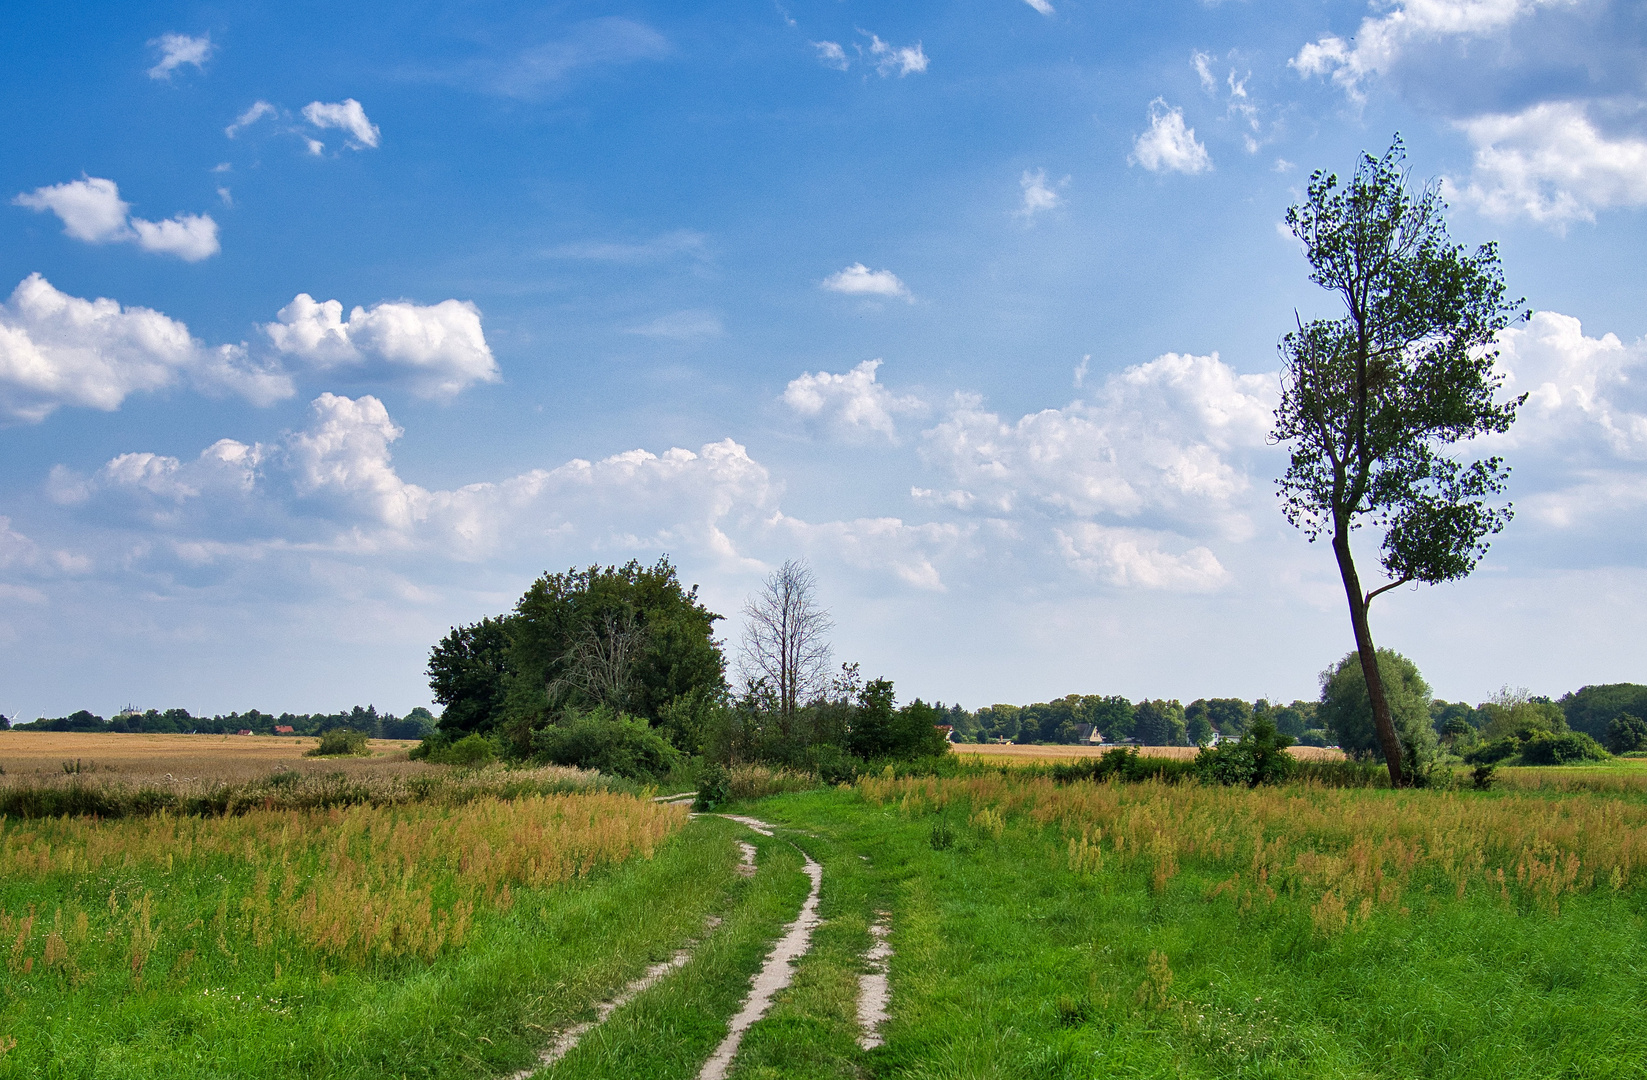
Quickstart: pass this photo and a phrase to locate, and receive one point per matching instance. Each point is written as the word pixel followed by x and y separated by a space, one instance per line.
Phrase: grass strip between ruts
pixel 668 1032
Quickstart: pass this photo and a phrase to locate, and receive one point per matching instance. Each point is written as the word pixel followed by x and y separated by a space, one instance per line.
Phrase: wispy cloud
pixel 346 115
pixel 664 246
pixel 681 326
pixel 255 112
pixel 1037 196
pixel 177 50
pixel 902 60
pixel 539 70
pixel 1042 6
pixel 831 55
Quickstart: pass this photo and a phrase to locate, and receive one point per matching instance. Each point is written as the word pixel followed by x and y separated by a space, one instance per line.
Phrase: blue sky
pixel 333 328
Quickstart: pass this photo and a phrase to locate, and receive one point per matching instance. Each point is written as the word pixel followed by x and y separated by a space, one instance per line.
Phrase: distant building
pixel 948 730
pixel 283 729
pixel 1086 733
pixel 244 731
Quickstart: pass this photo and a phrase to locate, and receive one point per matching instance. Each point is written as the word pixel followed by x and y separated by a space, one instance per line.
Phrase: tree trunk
pixel 1383 723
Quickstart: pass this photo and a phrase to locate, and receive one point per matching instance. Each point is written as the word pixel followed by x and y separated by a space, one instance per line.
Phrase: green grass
pixel 1009 963
pixel 478 1011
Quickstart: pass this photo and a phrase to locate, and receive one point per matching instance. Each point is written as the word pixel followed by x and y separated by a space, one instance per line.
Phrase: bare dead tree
pixel 600 664
pixel 786 640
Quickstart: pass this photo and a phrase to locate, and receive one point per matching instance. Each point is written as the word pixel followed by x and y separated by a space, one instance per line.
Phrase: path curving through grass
pixel 776 973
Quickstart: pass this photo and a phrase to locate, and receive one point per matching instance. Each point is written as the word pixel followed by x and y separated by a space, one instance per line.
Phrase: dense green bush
pixel 614 743
pixel 1494 752
pixel 471 751
pixel 1123 763
pixel 714 788
pixel 1532 746
pixel 1567 748
pixel 832 764
pixel 340 742
pixel 1259 758
pixel 1626 734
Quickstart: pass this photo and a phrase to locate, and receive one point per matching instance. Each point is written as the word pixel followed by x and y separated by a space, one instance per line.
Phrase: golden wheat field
pixel 1014 752
pixel 141 757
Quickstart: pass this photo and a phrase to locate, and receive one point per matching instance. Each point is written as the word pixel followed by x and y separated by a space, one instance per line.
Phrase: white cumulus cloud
pixel 860 280
pixel 177 50
pixel 853 403
pixel 1382 40
pixel 1167 440
pixel 57 350
pixel 347 116
pixel 91 210
pixel 1138 558
pixel 1550 163
pixel 1168 145
pixel 437 349
pixel 333 485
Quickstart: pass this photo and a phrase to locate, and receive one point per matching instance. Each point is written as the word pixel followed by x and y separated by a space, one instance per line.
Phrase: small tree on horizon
pixel 1373 402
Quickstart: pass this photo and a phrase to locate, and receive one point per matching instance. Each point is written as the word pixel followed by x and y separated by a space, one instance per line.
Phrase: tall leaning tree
pixel 1375 403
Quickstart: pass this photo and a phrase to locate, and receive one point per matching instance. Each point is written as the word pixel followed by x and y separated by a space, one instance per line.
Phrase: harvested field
pixel 145 758
pixel 1014 752
pixel 119 775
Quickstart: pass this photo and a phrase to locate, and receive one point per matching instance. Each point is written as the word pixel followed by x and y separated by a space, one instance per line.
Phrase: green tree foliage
pixel 1515 712
pixel 629 637
pixel 468 672
pixel 1227 716
pixel 1113 716
pixel 1346 708
pixel 1290 720
pixel 378 725
pixel 997 722
pixel 1159 723
pixel 1626 734
pixel 1197 728
pixel 1592 708
pixel 1067 719
pixel 1373 401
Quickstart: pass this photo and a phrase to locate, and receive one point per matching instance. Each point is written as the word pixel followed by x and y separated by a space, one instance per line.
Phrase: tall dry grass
pixel 1346 852
pixel 351 884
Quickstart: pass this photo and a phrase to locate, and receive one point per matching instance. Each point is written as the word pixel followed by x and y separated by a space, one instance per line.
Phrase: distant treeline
pixel 414 725
pixel 1071 719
